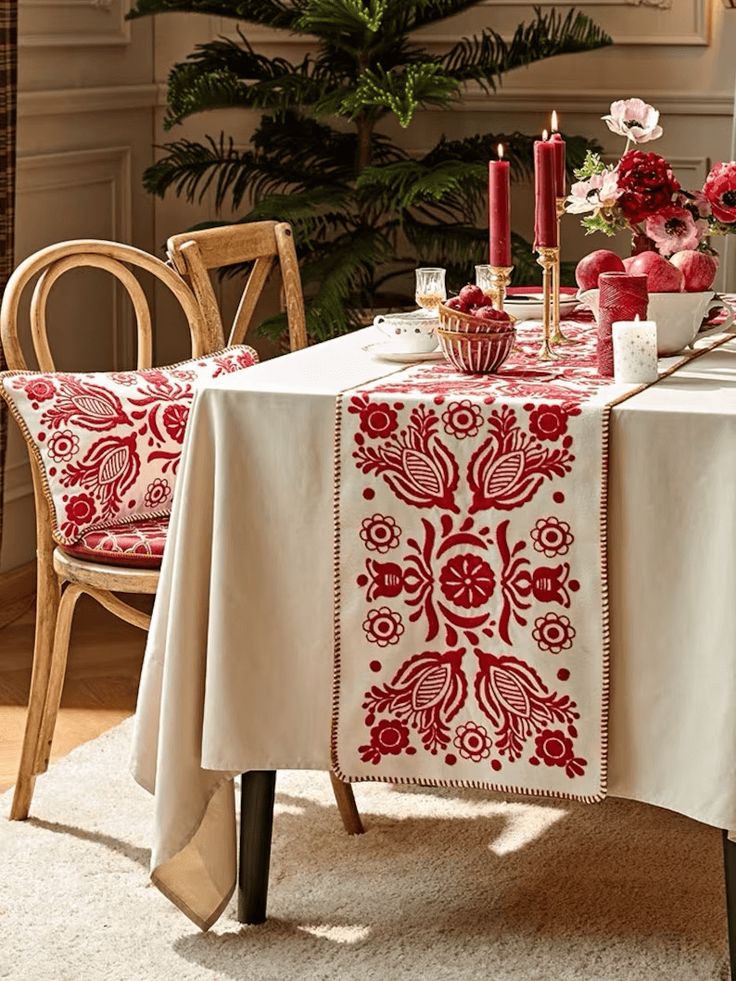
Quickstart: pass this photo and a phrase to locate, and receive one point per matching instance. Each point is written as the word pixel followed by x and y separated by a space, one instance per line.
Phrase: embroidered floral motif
pixel 380 533
pixel 473 742
pixel 63 446
pixel 383 627
pixel 554 748
pixel 508 469
pixel 462 419
pixel 415 464
pixel 388 738
pixel 552 536
pixel 377 419
pixel 158 493
pixel 549 421
pixel 553 633
pixel 467 581
pixel 109 437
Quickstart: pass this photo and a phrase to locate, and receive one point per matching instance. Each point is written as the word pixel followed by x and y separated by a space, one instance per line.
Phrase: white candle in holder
pixel 634 351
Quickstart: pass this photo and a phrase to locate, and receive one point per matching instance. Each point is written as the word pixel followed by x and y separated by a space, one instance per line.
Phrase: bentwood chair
pixel 63 577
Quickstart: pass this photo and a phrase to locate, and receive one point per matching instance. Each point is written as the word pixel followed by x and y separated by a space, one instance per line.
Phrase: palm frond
pixel 485 57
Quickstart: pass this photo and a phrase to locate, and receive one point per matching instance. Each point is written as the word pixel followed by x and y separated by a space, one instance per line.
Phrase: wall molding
pixel 76 169
pixel 72 32
pixel 102 98
pixel 595 101
pixel 661 34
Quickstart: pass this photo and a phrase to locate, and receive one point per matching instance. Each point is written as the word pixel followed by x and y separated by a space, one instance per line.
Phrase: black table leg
pixel 256 826
pixel 729 862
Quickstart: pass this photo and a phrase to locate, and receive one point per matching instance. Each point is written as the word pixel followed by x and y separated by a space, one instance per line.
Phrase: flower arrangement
pixel 640 193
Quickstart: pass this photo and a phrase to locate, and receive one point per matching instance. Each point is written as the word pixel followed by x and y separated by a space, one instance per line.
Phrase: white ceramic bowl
pixel 678 317
pixel 528 306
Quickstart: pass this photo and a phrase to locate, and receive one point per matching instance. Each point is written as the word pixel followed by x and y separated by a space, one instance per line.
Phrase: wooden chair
pixel 264 243
pixel 63 578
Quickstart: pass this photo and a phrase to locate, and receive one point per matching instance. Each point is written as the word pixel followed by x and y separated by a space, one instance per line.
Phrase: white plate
pixel 530 308
pixel 386 352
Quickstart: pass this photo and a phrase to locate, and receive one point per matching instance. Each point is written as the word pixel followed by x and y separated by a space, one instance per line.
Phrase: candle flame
pixel 545 135
pixel 555 123
pixel 500 151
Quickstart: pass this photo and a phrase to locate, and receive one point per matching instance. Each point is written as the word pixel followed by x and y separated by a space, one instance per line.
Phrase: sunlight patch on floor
pixel 344 934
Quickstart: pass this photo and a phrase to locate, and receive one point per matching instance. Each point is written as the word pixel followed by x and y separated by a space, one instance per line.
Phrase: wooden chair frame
pixel 264 243
pixel 62 578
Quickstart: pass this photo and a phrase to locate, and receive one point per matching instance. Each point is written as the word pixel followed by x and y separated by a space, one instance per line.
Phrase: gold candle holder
pixel 500 279
pixel 547 258
pixel 557 336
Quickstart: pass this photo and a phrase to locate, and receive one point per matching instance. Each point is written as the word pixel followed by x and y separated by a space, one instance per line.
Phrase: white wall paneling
pixel 73 23
pixel 84 193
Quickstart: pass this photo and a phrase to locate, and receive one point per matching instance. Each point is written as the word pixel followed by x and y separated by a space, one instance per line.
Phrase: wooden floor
pixel 101 685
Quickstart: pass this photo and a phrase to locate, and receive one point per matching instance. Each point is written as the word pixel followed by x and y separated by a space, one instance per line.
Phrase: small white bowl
pixel 528 306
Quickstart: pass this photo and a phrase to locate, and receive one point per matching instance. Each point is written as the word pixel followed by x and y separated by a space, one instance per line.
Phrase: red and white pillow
pixel 109 443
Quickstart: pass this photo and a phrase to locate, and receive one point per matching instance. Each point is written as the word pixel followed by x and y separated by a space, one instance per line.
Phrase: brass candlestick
pixel 557 336
pixel 500 279
pixel 547 258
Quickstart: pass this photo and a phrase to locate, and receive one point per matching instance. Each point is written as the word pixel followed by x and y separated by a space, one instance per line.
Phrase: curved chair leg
pixel 47 606
pixel 56 676
pixel 346 806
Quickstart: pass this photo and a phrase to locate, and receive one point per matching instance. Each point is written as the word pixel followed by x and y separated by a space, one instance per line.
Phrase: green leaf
pixel 487 56
pixel 401 92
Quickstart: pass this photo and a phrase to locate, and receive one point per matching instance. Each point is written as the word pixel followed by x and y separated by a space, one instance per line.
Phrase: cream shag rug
pixel 445 885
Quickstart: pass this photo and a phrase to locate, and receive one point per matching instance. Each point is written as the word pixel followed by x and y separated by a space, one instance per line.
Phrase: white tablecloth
pixel 238 669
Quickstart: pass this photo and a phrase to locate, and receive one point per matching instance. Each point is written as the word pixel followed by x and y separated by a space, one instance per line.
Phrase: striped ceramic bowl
pixel 476 353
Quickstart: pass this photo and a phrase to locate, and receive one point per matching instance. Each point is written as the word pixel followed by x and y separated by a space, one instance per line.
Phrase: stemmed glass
pixel 430 288
pixel 484 279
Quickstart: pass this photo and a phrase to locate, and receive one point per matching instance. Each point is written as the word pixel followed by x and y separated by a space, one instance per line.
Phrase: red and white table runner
pixel 471 621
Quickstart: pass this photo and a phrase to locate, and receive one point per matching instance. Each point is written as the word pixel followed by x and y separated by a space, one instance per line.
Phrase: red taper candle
pixel 499 211
pixel 560 159
pixel 545 195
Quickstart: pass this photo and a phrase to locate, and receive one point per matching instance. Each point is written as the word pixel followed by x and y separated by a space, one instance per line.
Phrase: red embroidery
pixel 377 419
pixel 512 695
pixel 548 421
pixel 388 738
pixel 85 405
pixel 508 468
pixel 415 464
pixel 108 469
pixel 427 692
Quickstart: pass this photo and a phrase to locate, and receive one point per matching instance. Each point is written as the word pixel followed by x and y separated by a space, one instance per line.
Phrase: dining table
pixel 281 584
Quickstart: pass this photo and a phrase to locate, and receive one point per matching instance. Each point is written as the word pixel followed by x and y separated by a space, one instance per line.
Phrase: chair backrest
pixel 263 243
pixel 53 261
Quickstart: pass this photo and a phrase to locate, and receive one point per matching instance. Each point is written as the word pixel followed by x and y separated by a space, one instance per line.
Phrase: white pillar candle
pixel 634 351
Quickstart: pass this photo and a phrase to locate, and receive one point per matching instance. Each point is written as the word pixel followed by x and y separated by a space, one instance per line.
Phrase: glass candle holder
pixel 430 288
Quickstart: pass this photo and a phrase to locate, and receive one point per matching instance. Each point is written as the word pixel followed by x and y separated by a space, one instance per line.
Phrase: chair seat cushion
pixel 107 444
pixel 138 544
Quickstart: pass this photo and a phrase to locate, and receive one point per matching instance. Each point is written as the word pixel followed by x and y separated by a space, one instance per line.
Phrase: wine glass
pixel 430 289
pixel 484 279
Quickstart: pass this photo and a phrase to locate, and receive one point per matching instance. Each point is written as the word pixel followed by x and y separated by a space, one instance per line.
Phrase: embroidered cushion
pixel 139 544
pixel 108 443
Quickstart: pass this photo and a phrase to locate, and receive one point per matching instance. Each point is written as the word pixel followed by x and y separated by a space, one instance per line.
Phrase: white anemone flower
pixel 635 120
